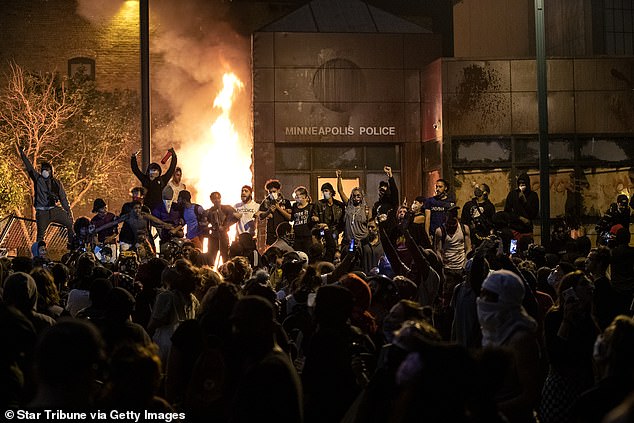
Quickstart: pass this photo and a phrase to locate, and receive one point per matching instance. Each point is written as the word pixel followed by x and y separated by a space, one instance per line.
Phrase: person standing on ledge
pixel 49 199
pixel 154 182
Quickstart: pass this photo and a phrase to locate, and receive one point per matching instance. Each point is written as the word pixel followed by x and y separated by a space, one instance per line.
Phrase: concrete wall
pixel 347 88
pixel 494 28
pixel 569 28
pixel 499 97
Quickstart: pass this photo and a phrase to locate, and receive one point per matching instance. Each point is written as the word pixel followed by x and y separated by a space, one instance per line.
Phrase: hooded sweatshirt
pixel 154 195
pixel 48 191
pixel 20 291
pixel 517 206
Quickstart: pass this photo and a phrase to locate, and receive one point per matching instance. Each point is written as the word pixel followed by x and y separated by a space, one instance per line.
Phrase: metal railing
pixel 17 235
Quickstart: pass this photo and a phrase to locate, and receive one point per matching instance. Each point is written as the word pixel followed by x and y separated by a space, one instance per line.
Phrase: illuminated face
pixel 274 193
pixel 245 195
pixel 356 197
pixel 416 206
pixel 177 176
pixel 137 196
pixel 301 198
pixel 216 199
pixel 373 229
pixel 401 213
pixel 440 188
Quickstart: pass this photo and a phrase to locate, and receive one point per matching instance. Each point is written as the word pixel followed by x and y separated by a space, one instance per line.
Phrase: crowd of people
pixel 354 312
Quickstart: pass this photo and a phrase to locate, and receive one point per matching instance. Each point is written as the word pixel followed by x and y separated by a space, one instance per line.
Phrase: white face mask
pixel 490 315
pixel 327 195
pixel 46 173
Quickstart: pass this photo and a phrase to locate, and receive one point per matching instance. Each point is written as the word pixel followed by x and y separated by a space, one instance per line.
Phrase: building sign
pixel 366 131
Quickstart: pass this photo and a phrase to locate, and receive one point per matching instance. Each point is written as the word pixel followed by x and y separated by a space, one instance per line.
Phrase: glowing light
pixel 221 161
pixel 129 10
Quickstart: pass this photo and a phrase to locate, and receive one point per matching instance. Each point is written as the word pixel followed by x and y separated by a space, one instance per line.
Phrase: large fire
pixel 221 160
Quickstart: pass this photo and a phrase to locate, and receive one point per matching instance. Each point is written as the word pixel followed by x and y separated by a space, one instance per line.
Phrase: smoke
pixel 99 12
pixel 191 45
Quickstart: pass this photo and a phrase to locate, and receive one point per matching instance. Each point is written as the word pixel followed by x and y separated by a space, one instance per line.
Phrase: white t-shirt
pixel 246 222
pixel 176 188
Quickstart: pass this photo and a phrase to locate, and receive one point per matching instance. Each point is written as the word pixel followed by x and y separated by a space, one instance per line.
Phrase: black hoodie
pixel 526 206
pixel 154 195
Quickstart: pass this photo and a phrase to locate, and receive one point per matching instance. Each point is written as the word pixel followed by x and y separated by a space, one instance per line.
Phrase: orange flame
pixel 221 161
pixel 224 160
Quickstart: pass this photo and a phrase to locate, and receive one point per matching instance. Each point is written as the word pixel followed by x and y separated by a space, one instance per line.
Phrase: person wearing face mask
pixel 49 199
pixel 505 323
pixel 304 218
pixel 436 207
pixel 478 214
pixel 357 214
pixel 154 182
pixel 330 211
pixel 388 195
pixel 416 222
pixel 274 209
pixel 522 204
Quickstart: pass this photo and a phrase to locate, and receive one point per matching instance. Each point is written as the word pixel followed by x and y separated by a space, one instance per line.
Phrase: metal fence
pixel 17 235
